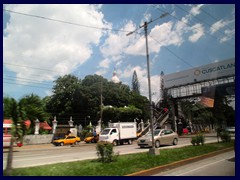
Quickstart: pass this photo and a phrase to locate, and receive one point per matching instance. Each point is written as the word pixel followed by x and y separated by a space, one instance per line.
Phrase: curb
pixel 155 170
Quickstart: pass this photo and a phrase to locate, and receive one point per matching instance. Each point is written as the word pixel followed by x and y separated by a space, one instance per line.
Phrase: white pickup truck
pixel 119 133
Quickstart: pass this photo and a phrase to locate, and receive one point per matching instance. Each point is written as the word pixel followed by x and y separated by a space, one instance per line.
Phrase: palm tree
pixel 13 110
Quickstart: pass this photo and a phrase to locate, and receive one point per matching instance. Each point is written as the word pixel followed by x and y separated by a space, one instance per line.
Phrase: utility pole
pixel 153 150
pixel 101 106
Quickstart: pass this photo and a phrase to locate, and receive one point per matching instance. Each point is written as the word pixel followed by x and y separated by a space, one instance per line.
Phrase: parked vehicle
pixel 161 137
pixel 7 126
pixel 230 130
pixel 119 133
pixel 64 130
pixel 70 139
pixel 92 139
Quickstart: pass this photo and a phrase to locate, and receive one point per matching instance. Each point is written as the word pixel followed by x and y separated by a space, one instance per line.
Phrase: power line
pixel 32 67
pixel 26 80
pixel 213 17
pixel 61 21
pixel 200 20
pixel 173 53
pixel 25 85
pixel 162 16
pixel 193 27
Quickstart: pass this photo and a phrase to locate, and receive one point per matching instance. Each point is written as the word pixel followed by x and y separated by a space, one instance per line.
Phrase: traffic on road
pixel 35 155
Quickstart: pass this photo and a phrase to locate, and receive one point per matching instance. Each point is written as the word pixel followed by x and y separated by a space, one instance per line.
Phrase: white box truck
pixel 119 133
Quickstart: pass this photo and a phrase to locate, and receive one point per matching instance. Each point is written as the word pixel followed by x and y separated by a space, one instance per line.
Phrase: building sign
pixel 201 73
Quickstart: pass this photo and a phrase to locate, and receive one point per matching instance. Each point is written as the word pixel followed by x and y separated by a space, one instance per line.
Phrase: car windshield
pixel 105 131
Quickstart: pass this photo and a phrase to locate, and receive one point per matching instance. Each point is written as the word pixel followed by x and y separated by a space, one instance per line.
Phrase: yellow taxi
pixel 92 139
pixel 70 139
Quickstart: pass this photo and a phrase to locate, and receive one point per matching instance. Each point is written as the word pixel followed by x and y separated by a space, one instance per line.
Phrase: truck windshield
pixel 105 131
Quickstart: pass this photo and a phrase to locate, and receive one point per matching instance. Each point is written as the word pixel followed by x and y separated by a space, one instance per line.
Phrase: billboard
pixel 209 93
pixel 201 73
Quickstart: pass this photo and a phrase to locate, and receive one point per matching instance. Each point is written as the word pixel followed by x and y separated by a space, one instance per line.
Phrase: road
pixel 36 155
pixel 220 165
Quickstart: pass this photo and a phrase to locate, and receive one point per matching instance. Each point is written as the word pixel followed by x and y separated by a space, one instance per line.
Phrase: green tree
pixel 68 98
pixel 13 110
pixel 93 86
pixel 223 112
pixel 82 98
pixel 123 114
pixel 135 83
pixel 197 113
pixel 34 109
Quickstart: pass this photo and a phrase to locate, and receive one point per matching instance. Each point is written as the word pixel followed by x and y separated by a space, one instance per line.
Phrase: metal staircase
pixel 159 119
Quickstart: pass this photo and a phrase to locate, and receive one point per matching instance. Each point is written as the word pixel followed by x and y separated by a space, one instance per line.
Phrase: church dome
pixel 115 79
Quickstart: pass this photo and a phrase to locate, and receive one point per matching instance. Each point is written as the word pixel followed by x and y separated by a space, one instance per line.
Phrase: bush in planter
pixel 198 139
pixel 201 139
pixel 105 152
pixel 225 136
pixel 194 140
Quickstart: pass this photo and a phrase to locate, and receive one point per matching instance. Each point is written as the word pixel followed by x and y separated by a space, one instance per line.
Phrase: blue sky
pixel 36 51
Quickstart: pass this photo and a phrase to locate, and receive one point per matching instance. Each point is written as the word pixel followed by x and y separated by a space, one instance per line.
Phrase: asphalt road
pixel 35 155
pixel 220 165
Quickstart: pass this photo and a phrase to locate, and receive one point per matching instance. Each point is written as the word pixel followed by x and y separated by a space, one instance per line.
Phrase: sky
pixel 43 42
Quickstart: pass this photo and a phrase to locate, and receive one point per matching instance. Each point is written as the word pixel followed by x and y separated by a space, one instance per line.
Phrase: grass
pixel 125 164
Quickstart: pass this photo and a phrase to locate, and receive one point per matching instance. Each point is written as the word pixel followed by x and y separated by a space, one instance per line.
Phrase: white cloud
pixel 115 44
pixel 229 34
pixel 198 32
pixel 195 10
pixel 160 35
pixel 218 25
pixel 45 44
pixel 104 63
pixel 101 72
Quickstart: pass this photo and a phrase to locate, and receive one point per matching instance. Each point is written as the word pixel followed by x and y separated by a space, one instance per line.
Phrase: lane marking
pixel 204 166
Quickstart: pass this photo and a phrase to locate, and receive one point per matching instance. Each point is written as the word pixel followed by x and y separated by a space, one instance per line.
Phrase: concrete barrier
pixel 37 139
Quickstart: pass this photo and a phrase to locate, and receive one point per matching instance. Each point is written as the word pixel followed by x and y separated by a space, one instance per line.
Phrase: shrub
pixel 86 133
pixel 201 139
pixel 198 139
pixel 105 152
pixel 225 136
pixel 194 140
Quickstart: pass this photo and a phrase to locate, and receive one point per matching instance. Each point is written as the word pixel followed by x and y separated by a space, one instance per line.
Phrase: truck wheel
pixel 175 141
pixel 115 143
pixel 61 144
pixel 157 144
pixel 129 141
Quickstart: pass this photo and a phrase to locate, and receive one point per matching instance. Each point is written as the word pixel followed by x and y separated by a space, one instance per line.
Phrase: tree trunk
pixel 10 158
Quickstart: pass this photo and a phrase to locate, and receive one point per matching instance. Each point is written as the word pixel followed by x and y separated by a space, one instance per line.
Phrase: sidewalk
pixel 211 134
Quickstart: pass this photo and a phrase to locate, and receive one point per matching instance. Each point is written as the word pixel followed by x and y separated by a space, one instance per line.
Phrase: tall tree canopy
pixel 135 83
pixel 81 98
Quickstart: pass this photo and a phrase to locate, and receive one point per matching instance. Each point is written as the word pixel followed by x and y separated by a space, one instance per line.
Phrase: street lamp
pixel 153 150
